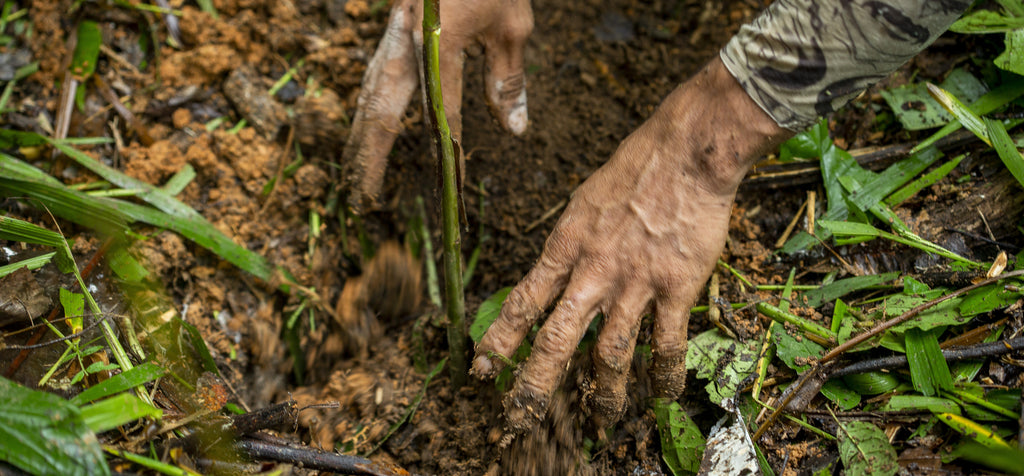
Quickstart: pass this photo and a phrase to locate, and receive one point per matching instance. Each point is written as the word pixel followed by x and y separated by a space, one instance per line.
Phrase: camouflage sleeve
pixel 802 59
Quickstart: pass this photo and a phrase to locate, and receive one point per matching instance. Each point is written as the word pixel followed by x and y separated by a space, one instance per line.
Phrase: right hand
pixel 502 26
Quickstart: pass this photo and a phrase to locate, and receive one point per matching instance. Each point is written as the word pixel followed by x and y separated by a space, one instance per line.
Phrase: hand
pixel 641 235
pixel 502 26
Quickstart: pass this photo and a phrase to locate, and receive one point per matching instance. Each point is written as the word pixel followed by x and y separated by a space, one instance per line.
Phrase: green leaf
pixel 986 21
pixel 917 402
pixel 1006 460
pixel 74 308
pixel 837 289
pixel 928 369
pixel 871 383
pixel 979 433
pixel 917 110
pixel 865 450
pixel 942 314
pixel 487 313
pixel 810 144
pixel 87 50
pixel 121 382
pixel 962 113
pixel 925 180
pixel 116 411
pixel 42 433
pixel 682 445
pixel 987 299
pixel 840 394
pixel 789 348
pixel 723 361
pixel 1012 58
pixel 1006 149
pixel 200 347
pixel 913 287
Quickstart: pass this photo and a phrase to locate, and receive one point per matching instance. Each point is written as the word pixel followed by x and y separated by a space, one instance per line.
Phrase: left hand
pixel 502 26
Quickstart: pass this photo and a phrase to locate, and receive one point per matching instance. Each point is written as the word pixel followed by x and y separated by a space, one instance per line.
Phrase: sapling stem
pixel 449 193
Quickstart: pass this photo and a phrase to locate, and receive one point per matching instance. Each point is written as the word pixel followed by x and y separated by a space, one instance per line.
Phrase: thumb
pixel 505 80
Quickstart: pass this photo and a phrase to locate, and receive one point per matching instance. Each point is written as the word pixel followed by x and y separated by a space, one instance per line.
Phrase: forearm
pixel 802 59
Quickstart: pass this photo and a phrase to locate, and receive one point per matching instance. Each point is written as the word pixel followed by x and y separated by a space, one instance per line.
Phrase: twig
pixel 792 224
pixel 951 355
pixel 1006 246
pixel 548 214
pixel 839 350
pixel 315 459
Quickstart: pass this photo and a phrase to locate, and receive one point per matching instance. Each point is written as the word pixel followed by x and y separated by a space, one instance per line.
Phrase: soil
pixel 595 71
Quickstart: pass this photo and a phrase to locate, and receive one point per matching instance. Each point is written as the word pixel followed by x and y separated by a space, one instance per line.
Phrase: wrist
pixel 717 129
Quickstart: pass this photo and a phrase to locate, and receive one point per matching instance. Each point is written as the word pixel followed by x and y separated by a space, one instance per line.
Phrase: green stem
pixel 449 193
pixel 809 327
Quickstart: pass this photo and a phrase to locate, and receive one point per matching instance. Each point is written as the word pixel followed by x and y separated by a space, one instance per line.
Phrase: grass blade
pixel 1006 149
pixel 116 411
pixel 146 372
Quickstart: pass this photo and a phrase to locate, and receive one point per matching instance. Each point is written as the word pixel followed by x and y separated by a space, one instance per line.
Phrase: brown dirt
pixel 370 345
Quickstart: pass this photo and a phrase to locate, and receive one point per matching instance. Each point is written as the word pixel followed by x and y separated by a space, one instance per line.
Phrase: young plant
pixel 450 193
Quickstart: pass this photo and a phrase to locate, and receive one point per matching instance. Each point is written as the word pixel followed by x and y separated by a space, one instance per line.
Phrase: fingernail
pixel 482 366
pixel 517 117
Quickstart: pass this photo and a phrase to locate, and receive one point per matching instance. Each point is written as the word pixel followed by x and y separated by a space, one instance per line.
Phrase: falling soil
pixel 595 71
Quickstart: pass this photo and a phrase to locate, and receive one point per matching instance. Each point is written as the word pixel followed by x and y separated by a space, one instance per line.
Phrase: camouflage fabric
pixel 802 59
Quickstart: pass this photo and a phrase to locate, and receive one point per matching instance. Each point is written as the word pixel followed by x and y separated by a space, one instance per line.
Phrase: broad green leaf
pixel 116 411
pixel 723 361
pixel 912 287
pixel 928 369
pixel 837 289
pixel 942 314
pixel 810 144
pixel 1012 58
pixel 917 110
pixel 682 445
pixel 487 313
pixel 871 383
pixel 865 450
pixel 986 21
pixel 980 433
pixel 42 433
pixel 1006 149
pixel 988 298
pixel 917 402
pixel 74 308
pixel 840 394
pixel 121 382
pixel 790 348
pixel 87 50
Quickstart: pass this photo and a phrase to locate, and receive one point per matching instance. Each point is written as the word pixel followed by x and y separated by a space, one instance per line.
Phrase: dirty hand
pixel 502 26
pixel 641 235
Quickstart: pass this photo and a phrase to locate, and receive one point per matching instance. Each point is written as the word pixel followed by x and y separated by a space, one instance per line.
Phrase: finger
pixel 613 355
pixel 556 341
pixel 505 80
pixel 520 311
pixel 668 343
pixel 388 85
pixel 529 298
